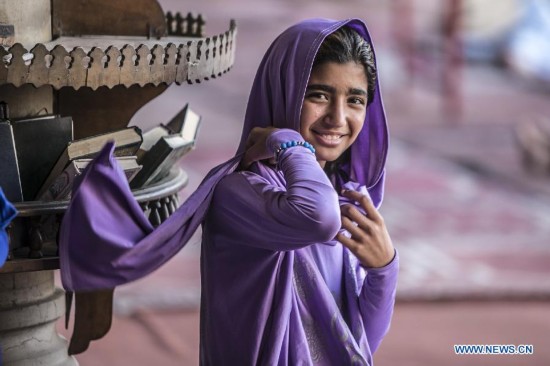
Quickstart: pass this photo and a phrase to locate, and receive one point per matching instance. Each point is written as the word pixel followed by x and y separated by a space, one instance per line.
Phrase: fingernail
pixel 344 191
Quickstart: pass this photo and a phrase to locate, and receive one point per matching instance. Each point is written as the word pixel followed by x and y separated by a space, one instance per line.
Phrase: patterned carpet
pixel 463 235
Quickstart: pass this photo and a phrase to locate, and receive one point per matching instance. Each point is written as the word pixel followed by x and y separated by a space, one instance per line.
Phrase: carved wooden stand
pixel 103 64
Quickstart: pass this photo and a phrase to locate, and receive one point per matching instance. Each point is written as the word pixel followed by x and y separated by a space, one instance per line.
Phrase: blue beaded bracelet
pixel 286 145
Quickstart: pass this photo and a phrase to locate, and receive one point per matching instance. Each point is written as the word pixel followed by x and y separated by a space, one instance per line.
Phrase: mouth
pixel 329 139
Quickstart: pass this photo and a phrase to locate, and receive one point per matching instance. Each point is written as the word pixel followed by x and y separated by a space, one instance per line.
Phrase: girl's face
pixel 334 108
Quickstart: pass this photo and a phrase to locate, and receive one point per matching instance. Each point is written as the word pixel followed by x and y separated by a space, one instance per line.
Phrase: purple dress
pixel 277 289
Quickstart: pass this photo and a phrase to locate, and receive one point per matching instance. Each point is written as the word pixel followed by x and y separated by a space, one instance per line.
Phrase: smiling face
pixel 334 108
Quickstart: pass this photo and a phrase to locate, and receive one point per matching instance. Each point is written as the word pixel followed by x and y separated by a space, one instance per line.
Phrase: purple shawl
pixel 7 213
pixel 105 239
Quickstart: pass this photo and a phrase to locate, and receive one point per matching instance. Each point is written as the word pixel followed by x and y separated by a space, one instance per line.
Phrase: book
pixel 184 123
pixel 150 138
pixel 164 145
pixel 9 167
pixel 191 124
pixel 127 142
pixel 61 188
pixel 39 141
pixel 158 161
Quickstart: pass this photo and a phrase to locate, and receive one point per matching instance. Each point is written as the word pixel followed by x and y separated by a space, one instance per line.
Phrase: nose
pixel 336 113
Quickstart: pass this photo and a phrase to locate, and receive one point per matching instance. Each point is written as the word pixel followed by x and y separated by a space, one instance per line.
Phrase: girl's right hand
pixel 256 148
pixel 370 241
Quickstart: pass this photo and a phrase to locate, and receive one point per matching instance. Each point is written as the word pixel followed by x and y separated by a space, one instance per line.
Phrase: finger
pixel 352 213
pixel 255 153
pixel 347 242
pixel 250 157
pixel 245 161
pixel 253 137
pixel 365 203
pixel 356 232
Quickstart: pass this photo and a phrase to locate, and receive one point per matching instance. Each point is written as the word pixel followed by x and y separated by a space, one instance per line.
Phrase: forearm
pixel 310 201
pixel 261 210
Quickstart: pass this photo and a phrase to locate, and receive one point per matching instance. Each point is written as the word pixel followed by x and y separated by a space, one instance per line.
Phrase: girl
pixel 297 265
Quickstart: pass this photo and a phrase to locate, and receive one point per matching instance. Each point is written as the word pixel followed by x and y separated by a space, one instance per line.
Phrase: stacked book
pixel 77 154
pixel 39 158
pixel 164 145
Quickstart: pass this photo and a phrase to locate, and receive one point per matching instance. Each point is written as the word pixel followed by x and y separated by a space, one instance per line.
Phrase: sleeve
pixel 377 299
pixel 7 214
pixel 251 210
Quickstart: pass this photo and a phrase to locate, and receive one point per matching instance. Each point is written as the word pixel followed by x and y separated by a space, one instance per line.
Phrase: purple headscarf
pixel 105 239
pixel 278 93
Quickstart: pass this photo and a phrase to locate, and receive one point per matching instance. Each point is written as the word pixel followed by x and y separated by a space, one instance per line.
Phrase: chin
pixel 328 157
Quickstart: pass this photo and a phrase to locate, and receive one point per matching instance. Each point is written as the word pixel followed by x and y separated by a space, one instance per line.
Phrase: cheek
pixel 307 118
pixel 303 124
pixel 357 125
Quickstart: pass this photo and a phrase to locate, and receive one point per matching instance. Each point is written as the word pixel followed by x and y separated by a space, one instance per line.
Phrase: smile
pixel 328 139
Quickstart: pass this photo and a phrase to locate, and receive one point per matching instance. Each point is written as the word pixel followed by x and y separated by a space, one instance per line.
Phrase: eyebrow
pixel 330 89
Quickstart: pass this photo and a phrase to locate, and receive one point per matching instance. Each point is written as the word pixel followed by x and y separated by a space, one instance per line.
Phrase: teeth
pixel 331 137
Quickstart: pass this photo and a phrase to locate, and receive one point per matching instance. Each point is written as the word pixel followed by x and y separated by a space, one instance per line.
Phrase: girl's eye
pixel 317 96
pixel 357 100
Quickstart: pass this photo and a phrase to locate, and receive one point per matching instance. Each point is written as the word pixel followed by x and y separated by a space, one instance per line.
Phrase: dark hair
pixel 342 46
pixel 346 45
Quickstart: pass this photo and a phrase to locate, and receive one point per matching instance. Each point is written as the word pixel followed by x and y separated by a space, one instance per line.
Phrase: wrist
pixel 281 136
pixel 289 144
pixel 383 264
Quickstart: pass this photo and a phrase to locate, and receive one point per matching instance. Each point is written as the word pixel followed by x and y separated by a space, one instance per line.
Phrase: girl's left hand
pixel 370 241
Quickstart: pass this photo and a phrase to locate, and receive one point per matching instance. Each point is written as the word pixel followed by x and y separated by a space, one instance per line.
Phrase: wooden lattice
pixel 151 62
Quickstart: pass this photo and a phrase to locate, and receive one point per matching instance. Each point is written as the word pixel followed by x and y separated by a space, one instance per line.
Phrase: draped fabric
pixel 277 289
pixel 7 213
pixel 105 239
